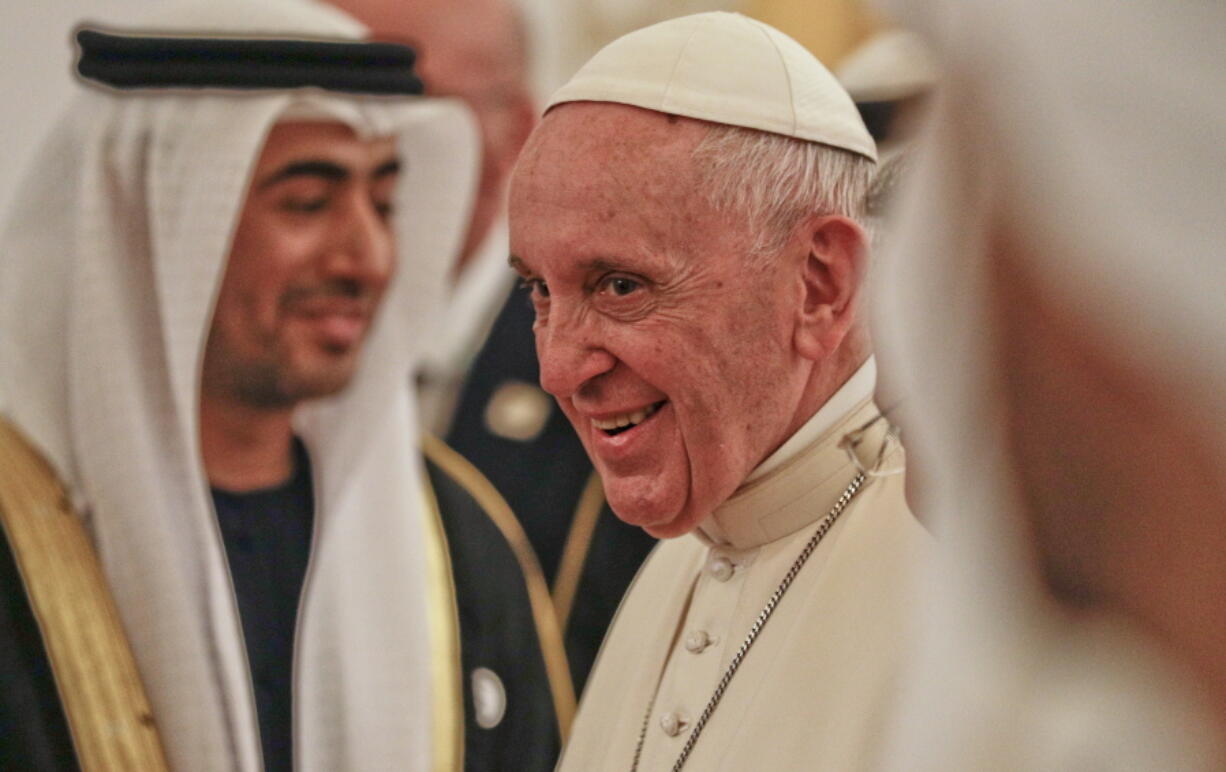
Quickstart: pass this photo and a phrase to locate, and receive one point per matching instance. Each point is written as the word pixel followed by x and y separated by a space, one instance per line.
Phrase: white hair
pixel 773 181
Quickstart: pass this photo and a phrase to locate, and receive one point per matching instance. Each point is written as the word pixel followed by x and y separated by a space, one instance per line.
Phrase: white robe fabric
pixel 817 689
pixel 109 270
pixel 1098 134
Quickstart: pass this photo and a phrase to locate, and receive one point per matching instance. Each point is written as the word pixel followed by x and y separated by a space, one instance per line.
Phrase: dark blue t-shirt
pixel 267 534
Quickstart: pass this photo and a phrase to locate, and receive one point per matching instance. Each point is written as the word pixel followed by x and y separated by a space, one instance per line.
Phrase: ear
pixel 832 268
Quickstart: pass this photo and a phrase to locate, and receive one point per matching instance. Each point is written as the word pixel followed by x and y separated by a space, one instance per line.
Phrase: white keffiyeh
pixel 110 266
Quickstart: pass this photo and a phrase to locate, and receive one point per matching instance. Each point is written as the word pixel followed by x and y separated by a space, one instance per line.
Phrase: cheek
pixel 735 403
pixel 249 303
pixel 391 265
pixel 270 264
pixel 242 318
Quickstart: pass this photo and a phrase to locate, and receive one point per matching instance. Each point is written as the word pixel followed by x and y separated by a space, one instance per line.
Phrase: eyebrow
pixel 327 170
pixel 593 265
pixel 603 265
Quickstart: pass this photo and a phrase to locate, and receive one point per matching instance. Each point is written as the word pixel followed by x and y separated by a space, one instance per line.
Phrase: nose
pixel 570 353
pixel 363 247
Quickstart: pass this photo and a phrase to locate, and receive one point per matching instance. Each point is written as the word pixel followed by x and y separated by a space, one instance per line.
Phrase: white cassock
pixel 108 273
pixel 816 689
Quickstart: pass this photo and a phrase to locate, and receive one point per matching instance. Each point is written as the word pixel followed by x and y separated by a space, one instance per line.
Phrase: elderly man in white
pixel 688 217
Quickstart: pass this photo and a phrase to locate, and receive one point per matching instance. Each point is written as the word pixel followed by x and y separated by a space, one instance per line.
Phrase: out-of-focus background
pixel 36 52
pixel 36 56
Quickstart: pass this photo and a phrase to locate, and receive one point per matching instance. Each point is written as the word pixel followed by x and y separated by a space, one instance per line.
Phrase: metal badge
pixel 518 411
pixel 489 698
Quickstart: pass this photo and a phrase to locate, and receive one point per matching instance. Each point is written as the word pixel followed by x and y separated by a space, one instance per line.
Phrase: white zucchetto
pixel 725 68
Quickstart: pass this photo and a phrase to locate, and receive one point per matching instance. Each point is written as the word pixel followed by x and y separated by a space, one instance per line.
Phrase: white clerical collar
pixel 855 391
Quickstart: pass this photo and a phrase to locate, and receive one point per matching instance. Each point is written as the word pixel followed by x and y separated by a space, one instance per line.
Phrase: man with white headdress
pixel 688 215
pixel 1052 314
pixel 212 287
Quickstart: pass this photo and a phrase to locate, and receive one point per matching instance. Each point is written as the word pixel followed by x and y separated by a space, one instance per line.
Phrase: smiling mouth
pixel 621 423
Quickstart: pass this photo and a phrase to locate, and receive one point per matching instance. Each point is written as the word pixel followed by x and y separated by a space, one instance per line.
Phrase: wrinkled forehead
pixel 612 153
pixel 602 179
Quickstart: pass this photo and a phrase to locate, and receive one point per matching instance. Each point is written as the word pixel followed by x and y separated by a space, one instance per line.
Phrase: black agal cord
pixel 134 62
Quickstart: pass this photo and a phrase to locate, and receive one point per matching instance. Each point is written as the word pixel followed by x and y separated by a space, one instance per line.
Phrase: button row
pixel 721 568
pixel 673 722
pixel 697 641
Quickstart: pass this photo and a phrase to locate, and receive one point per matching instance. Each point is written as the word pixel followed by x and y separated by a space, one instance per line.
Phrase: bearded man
pixel 212 288
pixel 688 216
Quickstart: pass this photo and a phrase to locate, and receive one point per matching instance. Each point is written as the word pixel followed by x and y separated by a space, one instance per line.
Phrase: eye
pixel 537 287
pixel 619 285
pixel 304 205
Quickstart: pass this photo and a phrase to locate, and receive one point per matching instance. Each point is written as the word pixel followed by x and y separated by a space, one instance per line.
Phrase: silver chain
pixel 822 528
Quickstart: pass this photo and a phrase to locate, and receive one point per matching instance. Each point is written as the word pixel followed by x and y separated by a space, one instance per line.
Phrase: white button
pixel 672 723
pixel 489 698
pixel 720 568
pixel 696 641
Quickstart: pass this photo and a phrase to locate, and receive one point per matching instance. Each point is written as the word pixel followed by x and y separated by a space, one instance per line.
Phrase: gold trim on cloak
pixel 104 701
pixel 549 632
pixel 578 544
pixel 444 620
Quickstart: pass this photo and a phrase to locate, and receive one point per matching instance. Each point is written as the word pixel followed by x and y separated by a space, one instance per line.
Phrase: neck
pixel 245 448
pixel 824 381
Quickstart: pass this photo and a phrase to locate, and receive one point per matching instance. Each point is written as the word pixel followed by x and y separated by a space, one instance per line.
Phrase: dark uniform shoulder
pixel 517 693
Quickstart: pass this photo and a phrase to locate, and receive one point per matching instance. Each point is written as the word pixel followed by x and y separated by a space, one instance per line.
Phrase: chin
pixel 319 382
pixel 662 522
pixel 671 529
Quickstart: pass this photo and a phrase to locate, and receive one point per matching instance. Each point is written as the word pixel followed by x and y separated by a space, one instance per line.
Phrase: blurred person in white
pixel 210 304
pixel 688 215
pixel 476 50
pixel 889 76
pixel 1052 311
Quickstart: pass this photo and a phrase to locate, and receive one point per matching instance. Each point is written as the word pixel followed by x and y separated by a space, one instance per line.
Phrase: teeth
pixel 621 421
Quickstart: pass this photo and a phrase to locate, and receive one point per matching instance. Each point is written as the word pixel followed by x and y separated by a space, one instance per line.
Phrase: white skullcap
pixel 725 68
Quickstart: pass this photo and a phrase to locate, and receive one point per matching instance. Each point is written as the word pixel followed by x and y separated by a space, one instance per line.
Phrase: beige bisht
pixel 108 271
pixel 1093 137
